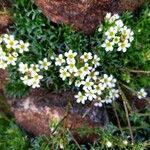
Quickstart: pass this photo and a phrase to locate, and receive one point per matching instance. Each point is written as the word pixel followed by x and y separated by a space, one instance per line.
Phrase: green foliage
pixel 11 137
pixel 14 87
pixel 44 36
pixel 140 125
pixel 48 39
pixel 63 138
pixel 137 56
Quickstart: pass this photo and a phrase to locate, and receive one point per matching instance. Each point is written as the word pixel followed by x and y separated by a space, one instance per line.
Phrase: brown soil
pixel 5 21
pixel 5 17
pixel 3 75
pixel 4 4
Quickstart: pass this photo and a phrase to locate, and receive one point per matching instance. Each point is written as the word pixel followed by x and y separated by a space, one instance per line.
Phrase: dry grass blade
pixel 75 141
pixel 125 104
pixel 117 117
pixel 136 71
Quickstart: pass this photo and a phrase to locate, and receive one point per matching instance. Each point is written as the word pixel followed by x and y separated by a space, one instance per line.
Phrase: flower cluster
pixel 32 75
pixel 81 70
pixel 118 36
pixel 10 49
pixel 141 94
pixel 110 144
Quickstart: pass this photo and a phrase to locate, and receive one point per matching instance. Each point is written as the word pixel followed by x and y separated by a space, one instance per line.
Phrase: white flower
pixel 108 45
pixel 131 38
pixel 71 61
pixel 64 73
pixel 116 39
pixel 99 104
pixel 44 64
pixel 26 80
pixel 2 55
pixel 11 60
pixel 72 68
pixel 83 71
pixel 119 23
pixel 78 83
pixel 100 28
pixel 80 73
pixel 35 84
pixel 111 33
pixel 115 17
pixel 11 42
pixel 108 16
pixel 91 95
pixel 61 145
pixel 31 72
pixel 114 94
pixel 125 142
pixel 70 81
pixel 36 80
pixel 6 36
pixel 23 68
pixel 34 68
pixel 108 144
pixel 141 94
pixel 15 54
pixel 70 56
pixel 80 98
pixel 112 81
pixel 60 60
pixel 52 58
pixel 86 56
pixel 93 75
pixel 108 81
pixel 87 85
pixel 139 30
pixel 3 64
pixel 123 46
pixel 98 89
pixel 95 61
pixel 86 69
pixel 23 47
pixel 111 18
pixel 118 34
pixel 108 100
pixel 126 32
pixel 101 86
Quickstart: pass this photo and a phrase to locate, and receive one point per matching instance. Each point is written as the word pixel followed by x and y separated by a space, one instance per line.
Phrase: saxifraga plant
pixel 51 43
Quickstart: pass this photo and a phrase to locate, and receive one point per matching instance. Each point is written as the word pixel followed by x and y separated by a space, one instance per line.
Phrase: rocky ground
pixel 84 15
